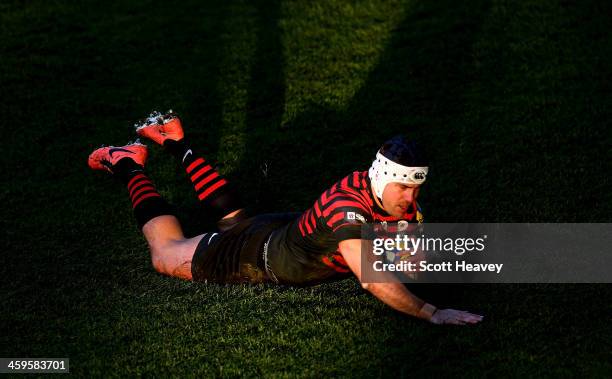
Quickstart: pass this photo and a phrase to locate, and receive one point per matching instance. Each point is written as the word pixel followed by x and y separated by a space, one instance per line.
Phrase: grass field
pixel 512 100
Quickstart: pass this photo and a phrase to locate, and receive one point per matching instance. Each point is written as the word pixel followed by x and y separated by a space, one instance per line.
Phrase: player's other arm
pixel 398 297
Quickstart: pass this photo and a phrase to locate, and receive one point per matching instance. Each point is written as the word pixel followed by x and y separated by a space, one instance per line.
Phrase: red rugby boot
pixel 160 127
pixel 105 158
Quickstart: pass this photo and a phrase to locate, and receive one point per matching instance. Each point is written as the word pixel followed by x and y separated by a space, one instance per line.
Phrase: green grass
pixel 512 100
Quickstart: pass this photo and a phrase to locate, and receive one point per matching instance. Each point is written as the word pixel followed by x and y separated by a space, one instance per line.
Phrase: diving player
pixel 321 244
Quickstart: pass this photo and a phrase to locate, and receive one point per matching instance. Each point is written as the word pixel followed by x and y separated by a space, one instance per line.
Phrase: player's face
pixel 397 198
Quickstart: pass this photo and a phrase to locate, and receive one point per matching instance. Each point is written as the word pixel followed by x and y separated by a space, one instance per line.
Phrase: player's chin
pixel 399 211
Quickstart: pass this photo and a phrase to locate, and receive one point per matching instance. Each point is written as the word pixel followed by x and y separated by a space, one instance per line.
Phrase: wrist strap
pixel 427 310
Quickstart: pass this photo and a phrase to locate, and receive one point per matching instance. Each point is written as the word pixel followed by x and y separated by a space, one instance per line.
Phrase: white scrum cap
pixel 398 161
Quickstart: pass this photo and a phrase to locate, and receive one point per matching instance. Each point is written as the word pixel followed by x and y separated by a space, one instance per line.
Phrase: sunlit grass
pixel 330 48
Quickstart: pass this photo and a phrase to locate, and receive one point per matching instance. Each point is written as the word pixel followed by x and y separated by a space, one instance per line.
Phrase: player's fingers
pixel 466 313
pixel 472 320
pixel 466 317
pixel 455 321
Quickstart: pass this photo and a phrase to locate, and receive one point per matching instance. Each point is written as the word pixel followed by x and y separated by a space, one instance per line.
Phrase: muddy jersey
pixel 305 251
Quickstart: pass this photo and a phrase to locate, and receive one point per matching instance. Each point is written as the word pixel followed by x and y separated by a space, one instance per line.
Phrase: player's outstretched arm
pixel 397 296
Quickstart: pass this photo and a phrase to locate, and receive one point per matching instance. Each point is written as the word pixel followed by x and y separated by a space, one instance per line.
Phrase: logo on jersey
pixel 355 216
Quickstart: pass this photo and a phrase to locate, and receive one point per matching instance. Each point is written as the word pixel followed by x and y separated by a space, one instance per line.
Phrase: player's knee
pixel 158 264
pixel 173 258
pixel 159 258
pixel 183 271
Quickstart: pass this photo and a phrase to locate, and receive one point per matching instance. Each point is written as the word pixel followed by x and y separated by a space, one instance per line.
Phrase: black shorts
pixel 236 255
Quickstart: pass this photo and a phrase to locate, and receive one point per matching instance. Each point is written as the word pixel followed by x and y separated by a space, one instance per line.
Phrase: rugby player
pixel 321 244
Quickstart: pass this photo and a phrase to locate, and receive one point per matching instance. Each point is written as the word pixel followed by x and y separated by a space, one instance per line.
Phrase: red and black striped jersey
pixel 306 250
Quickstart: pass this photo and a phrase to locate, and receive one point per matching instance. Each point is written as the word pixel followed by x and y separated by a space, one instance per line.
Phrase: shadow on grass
pixel 420 77
pixel 266 95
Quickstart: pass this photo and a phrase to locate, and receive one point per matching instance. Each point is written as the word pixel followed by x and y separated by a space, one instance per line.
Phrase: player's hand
pixel 454 317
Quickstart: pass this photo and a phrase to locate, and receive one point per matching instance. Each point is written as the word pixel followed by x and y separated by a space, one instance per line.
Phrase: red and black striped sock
pixel 212 189
pixel 147 203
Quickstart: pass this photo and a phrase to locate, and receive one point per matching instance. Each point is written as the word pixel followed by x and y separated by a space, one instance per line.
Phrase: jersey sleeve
pixel 345 216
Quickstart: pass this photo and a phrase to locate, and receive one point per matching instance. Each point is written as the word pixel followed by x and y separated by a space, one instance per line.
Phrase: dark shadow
pixel 264 109
pixel 266 100
pixel 421 76
pixel 202 115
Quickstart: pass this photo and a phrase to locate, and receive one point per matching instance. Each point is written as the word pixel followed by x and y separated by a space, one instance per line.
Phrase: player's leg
pixel 214 192
pixel 171 252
